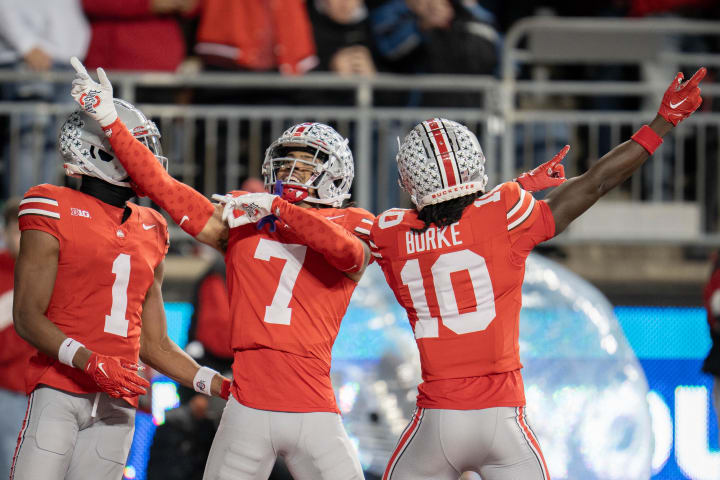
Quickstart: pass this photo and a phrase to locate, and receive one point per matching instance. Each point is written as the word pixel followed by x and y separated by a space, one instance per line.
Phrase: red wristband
pixel 225 389
pixel 647 138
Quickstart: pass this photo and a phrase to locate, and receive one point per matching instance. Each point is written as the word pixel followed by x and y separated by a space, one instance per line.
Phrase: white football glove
pixel 253 207
pixel 96 99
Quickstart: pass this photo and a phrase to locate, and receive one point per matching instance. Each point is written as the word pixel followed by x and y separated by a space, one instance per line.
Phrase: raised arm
pixel 187 207
pixel 574 197
pixel 161 353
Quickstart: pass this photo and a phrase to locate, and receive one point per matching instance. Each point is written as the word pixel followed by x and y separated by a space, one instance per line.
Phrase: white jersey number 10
pixel 447 264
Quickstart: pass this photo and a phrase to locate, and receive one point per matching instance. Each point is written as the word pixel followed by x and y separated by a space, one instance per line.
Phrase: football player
pixel 88 297
pixel 456 264
pixel 289 284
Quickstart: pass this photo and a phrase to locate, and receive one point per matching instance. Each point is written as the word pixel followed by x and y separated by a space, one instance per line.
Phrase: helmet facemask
pixel 292 171
pixel 323 176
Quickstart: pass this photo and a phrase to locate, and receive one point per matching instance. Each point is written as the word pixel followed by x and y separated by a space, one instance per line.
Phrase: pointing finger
pixel 560 155
pixel 78 66
pixel 695 80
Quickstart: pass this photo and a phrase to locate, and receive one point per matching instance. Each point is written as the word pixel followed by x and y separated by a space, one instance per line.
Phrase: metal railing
pixel 519 121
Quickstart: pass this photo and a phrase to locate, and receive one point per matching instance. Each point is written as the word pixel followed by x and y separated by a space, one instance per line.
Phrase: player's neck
pixel 106 192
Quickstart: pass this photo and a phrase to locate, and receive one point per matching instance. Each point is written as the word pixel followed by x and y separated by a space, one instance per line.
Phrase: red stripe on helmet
pixel 445 155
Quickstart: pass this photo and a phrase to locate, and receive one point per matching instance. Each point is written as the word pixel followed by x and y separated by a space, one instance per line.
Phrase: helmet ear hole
pixel 105 155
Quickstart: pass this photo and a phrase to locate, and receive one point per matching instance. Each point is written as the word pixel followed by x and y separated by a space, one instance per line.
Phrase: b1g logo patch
pixel 76 212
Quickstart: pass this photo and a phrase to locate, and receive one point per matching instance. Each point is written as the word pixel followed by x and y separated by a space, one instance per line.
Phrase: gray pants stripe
pixel 401 447
pixel 21 435
pixel 520 412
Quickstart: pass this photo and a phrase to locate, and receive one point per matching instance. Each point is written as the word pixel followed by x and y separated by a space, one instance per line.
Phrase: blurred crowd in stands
pixel 293 37
pixel 349 37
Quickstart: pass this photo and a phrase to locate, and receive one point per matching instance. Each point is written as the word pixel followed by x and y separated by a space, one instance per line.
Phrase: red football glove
pixel 549 174
pixel 681 99
pixel 116 376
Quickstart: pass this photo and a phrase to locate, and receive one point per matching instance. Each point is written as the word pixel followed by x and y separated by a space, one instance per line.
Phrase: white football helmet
pixel 440 160
pixel 333 163
pixel 86 150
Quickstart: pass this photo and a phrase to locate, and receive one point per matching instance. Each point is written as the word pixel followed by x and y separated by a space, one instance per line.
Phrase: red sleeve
pixel 186 206
pixel 340 248
pixel 359 222
pixel 529 221
pixel 113 9
pixel 40 210
pixel 213 316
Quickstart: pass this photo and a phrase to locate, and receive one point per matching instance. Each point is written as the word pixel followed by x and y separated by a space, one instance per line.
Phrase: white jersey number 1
pixel 116 323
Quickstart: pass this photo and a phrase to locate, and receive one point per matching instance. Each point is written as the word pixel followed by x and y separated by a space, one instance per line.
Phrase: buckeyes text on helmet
pixel 86 150
pixel 440 160
pixel 333 168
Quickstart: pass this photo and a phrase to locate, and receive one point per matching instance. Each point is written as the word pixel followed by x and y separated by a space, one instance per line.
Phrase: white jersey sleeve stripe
pixel 518 205
pixel 524 216
pixel 38 211
pixel 366 220
pixel 362 230
pixel 46 200
pixel 372 244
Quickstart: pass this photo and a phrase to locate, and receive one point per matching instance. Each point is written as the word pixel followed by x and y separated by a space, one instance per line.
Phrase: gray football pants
pixel 61 439
pixel 315 445
pixel 441 444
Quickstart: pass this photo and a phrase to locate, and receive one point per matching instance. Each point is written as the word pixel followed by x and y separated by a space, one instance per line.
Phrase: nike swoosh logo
pixel 148 227
pixel 185 217
pixel 675 105
pixel 337 216
pixel 100 366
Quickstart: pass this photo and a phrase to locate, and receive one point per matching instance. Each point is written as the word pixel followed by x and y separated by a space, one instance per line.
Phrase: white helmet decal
pixel 86 150
pixel 440 160
pixel 332 176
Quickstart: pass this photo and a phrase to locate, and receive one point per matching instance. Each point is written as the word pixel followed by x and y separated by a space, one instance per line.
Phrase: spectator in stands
pixel 137 34
pixel 15 353
pixel 181 445
pixel 38 36
pixel 256 36
pixel 436 36
pixel 342 36
pixel 711 299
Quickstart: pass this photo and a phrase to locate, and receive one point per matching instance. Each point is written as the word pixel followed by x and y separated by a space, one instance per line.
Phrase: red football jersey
pixel 105 269
pixel 15 352
pixel 286 304
pixel 462 288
